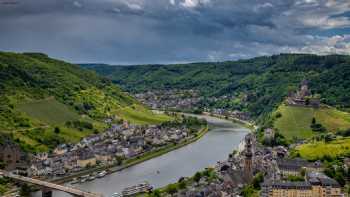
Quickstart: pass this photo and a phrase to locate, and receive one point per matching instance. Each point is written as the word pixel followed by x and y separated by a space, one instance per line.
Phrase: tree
pixel 57 130
pixel 25 190
pixel 313 121
pixel 171 189
pixel 340 179
pixel 259 178
pixel 155 193
pixel 119 160
pixel 197 176
pixel 248 191
pixel 295 178
pixel 278 115
pixel 182 185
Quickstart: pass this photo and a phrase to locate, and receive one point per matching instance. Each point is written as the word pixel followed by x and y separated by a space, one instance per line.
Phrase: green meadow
pixel 296 121
pixel 139 115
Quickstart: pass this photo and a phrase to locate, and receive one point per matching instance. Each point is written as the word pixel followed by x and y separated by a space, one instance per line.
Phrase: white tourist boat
pixel 137 189
pixel 116 195
pixel 102 174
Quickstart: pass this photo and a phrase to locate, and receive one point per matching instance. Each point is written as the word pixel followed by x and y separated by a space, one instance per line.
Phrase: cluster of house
pixel 206 188
pixel 170 99
pixel 229 114
pixel 119 142
pixel 303 97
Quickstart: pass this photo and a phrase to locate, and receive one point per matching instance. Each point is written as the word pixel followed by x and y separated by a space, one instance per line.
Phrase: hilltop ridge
pixel 258 85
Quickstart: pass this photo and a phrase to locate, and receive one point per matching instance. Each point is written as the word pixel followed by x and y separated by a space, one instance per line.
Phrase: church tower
pixel 248 157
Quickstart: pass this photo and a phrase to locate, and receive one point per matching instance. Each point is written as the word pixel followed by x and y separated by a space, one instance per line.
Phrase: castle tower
pixel 304 89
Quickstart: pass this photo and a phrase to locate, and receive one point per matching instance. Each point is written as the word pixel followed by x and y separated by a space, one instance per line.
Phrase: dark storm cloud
pixel 167 31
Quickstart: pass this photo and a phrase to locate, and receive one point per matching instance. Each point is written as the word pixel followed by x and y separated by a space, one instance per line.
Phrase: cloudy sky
pixel 170 31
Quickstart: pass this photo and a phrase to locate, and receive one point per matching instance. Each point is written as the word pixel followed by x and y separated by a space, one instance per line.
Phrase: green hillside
pixel 49 111
pixel 295 122
pixel 259 84
pixel 44 102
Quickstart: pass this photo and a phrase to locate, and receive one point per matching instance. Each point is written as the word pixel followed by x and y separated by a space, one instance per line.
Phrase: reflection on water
pixel 214 146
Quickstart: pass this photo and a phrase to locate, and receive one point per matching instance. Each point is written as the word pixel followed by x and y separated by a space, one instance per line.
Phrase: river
pixel 222 138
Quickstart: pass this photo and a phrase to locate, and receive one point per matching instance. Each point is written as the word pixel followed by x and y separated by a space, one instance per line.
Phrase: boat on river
pixel 75 181
pixel 137 189
pixel 101 174
pixel 91 178
pixel 116 195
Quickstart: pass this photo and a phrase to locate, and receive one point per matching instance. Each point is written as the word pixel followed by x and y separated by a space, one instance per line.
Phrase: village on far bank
pixel 265 164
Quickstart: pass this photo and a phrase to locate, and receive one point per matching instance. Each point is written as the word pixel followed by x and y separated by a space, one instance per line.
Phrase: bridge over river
pixel 47 187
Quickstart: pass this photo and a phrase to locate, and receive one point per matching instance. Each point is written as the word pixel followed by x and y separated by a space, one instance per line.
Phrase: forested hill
pixel 264 81
pixel 44 101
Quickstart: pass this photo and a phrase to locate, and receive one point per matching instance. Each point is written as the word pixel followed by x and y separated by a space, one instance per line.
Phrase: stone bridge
pixel 47 187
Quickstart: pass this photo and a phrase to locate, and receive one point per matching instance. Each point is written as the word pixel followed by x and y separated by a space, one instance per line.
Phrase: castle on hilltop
pixel 303 97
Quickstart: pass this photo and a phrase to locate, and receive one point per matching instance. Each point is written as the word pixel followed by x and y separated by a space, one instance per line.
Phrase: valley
pixel 175 98
pixel 74 122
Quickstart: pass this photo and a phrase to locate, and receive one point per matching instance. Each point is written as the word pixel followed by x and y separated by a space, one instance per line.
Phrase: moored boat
pixel 75 181
pixel 116 195
pixel 137 189
pixel 83 180
pixel 102 174
pixel 91 178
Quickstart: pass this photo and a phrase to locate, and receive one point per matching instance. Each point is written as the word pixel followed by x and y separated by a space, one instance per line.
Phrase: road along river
pixel 222 138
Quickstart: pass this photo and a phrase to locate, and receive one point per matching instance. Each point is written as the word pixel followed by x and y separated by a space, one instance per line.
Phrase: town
pixel 110 148
pixel 170 99
pixel 189 101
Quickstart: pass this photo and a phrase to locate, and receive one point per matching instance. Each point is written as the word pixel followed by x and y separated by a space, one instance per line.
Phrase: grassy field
pixel 49 111
pixel 139 115
pixel 133 112
pixel 317 150
pixel 296 121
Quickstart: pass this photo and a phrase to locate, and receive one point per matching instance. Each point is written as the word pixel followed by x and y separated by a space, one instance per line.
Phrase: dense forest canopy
pixel 265 81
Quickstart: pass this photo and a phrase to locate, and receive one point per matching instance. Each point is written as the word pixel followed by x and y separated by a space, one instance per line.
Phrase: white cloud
pixel 328 45
pixel 117 10
pixel 172 2
pixel 262 6
pixel 77 4
pixel 325 14
pixel 134 6
pixel 194 3
pixel 324 22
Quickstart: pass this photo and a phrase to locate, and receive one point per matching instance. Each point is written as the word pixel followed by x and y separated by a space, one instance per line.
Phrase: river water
pixel 222 138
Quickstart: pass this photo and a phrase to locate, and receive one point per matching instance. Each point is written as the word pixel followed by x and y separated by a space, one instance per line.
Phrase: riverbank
pixel 244 123
pixel 134 161
pixel 222 137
